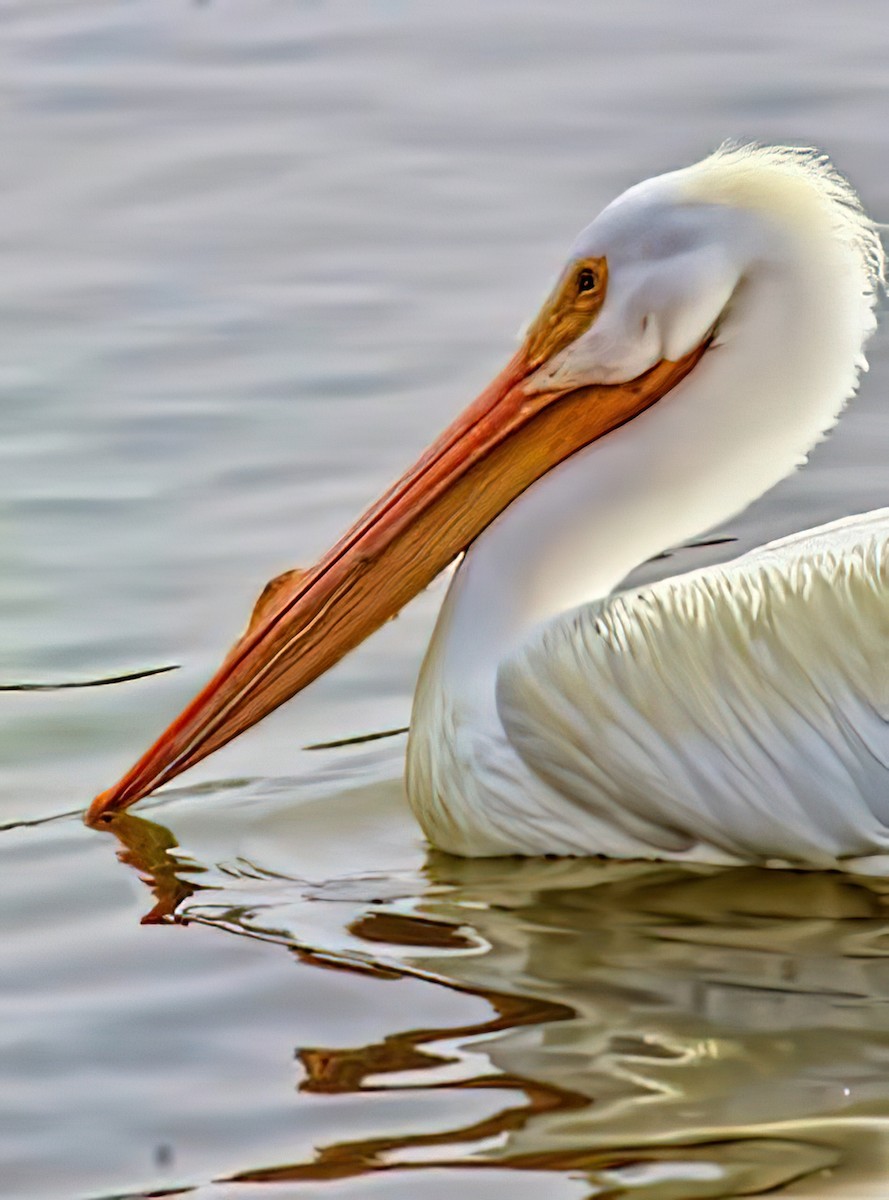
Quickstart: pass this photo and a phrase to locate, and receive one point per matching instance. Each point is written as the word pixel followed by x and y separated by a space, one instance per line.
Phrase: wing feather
pixel 743 707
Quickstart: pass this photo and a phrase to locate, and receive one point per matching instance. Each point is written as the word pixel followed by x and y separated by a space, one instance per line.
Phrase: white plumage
pixel 739 713
pixel 705 332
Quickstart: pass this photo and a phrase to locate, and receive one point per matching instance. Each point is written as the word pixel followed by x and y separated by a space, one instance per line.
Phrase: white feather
pixel 731 715
pixel 743 708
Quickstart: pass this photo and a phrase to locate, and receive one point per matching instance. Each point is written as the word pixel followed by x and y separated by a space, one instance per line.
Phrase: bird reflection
pixel 667 1031
pixel 147 846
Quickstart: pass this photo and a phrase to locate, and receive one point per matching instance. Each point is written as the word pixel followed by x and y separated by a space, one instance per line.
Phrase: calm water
pixel 252 256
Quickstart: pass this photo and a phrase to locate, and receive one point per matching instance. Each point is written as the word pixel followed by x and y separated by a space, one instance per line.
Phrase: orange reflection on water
pixel 657 1031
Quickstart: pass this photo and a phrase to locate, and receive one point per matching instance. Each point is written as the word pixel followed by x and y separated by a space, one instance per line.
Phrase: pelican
pixel 704 333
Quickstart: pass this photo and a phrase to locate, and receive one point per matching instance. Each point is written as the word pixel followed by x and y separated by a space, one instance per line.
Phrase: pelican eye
pixel 586 281
pixel 569 310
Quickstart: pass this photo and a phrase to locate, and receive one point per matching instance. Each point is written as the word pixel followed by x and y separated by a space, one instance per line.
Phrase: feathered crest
pixel 745 162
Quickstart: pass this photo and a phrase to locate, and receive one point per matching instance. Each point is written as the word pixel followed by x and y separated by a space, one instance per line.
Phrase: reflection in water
pixel 665 1031
pixel 372 1068
pixel 146 846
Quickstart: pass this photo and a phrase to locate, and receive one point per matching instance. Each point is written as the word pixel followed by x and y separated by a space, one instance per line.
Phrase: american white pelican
pixel 706 330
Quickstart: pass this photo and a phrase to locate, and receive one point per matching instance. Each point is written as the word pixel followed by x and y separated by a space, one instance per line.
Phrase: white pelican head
pixel 678 248
pixel 695 283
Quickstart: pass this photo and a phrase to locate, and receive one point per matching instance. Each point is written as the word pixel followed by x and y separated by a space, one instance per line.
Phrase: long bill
pixel 505 440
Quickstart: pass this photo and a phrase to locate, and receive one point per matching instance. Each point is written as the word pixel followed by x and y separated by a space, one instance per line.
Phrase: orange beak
pixel 509 437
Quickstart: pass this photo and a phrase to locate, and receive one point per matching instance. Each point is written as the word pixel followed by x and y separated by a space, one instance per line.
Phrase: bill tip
pixel 101 809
